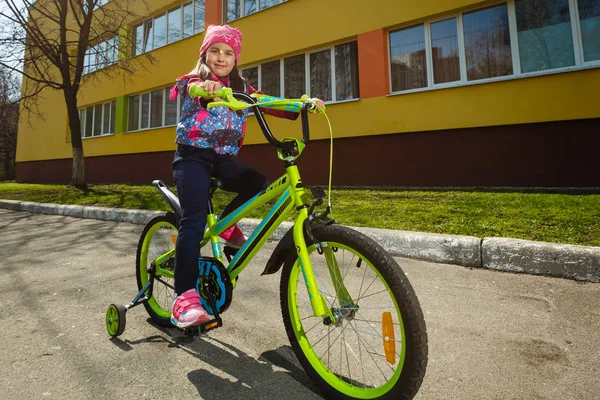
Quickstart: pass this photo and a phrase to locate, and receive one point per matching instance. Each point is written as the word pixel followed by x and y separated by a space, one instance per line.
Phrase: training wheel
pixel 115 319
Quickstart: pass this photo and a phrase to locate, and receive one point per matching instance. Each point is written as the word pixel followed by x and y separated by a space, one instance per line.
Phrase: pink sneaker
pixel 187 310
pixel 233 237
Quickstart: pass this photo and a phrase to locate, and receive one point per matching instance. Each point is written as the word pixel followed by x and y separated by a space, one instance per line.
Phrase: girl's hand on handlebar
pixel 318 102
pixel 211 87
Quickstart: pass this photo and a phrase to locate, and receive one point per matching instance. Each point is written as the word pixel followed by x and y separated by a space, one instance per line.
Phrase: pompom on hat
pixel 223 34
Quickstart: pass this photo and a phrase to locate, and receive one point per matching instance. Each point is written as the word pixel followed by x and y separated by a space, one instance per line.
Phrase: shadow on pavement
pixel 241 375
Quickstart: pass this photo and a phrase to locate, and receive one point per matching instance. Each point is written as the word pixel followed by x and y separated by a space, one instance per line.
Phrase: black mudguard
pixel 285 250
pixel 170 197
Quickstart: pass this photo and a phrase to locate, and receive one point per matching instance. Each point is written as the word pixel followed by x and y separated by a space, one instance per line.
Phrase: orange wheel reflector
pixel 389 343
pixel 174 240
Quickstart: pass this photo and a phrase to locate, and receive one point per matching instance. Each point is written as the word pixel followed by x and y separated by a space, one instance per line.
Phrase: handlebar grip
pixel 198 91
pixel 314 109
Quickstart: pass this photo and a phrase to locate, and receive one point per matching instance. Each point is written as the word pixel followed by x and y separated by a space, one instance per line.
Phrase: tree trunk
pixel 78 175
pixel 8 175
pixel 5 175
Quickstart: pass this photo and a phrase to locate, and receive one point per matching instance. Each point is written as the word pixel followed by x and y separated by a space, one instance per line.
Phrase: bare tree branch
pixel 47 42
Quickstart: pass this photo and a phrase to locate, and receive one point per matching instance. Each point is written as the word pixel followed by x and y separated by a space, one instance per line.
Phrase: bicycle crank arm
pixel 209 325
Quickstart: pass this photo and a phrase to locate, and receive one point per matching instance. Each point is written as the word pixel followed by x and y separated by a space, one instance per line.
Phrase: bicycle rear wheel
pixel 377 346
pixel 156 260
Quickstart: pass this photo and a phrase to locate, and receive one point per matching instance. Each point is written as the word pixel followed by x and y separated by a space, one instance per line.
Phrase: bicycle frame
pixel 291 194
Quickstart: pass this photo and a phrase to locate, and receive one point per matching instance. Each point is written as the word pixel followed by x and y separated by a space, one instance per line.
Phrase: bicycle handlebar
pixel 230 98
pixel 198 91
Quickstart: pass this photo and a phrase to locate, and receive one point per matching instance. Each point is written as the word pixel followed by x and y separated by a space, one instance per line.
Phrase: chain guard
pixel 214 274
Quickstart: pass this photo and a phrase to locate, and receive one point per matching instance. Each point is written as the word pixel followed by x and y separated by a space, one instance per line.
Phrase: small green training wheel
pixel 115 319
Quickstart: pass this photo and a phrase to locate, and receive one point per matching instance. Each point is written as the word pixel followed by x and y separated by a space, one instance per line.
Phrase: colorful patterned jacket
pixel 219 128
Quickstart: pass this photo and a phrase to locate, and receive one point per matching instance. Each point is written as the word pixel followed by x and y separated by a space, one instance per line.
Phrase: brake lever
pixel 230 102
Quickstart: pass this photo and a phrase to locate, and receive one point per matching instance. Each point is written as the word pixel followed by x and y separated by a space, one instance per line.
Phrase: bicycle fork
pixel 317 300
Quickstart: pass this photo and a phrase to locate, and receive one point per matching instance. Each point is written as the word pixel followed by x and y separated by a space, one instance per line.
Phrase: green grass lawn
pixel 572 218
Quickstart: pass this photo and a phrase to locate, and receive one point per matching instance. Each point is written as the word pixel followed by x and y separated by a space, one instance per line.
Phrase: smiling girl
pixel 207 141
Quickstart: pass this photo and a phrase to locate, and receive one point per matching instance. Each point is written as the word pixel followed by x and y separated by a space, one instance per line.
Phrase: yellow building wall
pixel 312 24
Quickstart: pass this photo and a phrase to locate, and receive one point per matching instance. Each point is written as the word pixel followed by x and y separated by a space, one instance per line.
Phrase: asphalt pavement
pixel 492 335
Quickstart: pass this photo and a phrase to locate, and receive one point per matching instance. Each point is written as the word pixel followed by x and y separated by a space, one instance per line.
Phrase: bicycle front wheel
pixel 375 347
pixel 156 261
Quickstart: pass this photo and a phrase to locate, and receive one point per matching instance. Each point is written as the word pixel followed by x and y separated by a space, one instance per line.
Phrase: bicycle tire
pixel 158 237
pixel 309 335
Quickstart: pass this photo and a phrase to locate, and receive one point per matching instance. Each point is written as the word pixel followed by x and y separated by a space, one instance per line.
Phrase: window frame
pixel 97 6
pixel 111 55
pixel 101 3
pixel 243 9
pixel 307 73
pixel 150 47
pixel 111 120
pixel 579 45
pixel 580 63
pixel 168 20
pixel 165 99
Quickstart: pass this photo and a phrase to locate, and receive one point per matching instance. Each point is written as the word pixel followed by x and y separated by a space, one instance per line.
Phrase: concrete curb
pixel 580 263
pixel 513 255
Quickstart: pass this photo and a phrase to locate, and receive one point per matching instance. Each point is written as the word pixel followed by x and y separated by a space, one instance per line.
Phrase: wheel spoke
pixel 373 294
pixel 375 322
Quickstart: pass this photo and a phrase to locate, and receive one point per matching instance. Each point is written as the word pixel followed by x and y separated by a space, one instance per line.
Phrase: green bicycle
pixel 350 313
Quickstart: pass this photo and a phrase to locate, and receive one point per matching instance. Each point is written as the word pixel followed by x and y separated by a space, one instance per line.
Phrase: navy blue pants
pixel 192 171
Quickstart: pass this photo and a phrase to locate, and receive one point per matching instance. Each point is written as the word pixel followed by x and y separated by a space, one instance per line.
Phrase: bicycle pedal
pixel 210 325
pixel 192 331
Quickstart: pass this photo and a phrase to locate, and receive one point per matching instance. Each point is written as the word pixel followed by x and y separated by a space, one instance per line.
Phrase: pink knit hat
pixel 223 34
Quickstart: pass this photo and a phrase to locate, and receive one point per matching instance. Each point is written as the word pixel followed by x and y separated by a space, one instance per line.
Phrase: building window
pixel 234 9
pixel 171 110
pixel 145 111
pixel 152 110
pixel 346 71
pixel 101 55
pixel 330 74
pixel 134 113
pixel 160 31
pixel 589 19
pixel 407 53
pixel 487 43
pixel 178 23
pixel 174 25
pixel 198 16
pixel 294 76
pixel 509 39
pixel 96 6
pixel 320 75
pixel 545 35
pixel 444 51
pixel 188 20
pixel 98 120
pixel 156 111
pixel 271 78
pixel 251 76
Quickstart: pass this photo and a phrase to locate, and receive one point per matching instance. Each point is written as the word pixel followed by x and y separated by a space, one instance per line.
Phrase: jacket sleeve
pixel 276 113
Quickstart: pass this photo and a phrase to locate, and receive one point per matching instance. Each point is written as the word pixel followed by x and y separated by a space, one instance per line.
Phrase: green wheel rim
pixel 152 303
pixel 112 320
pixel 296 285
